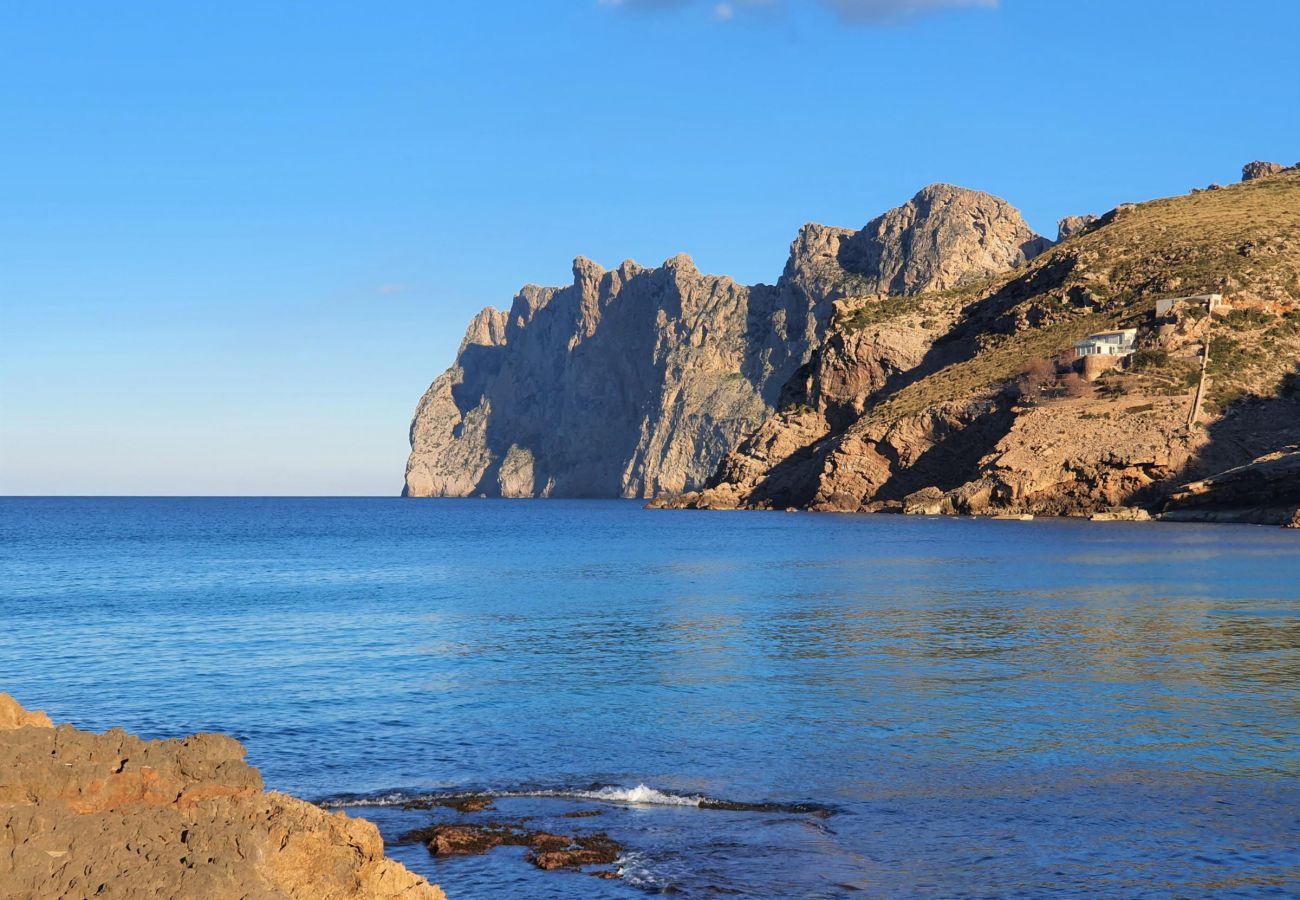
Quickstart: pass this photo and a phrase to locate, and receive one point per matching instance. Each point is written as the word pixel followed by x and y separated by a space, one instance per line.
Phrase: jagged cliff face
pixel 926 404
pixel 630 382
pixel 637 381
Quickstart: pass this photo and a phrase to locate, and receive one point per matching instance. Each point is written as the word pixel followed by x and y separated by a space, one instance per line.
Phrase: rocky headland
pixel 636 382
pixel 923 364
pixel 110 815
pixel 970 401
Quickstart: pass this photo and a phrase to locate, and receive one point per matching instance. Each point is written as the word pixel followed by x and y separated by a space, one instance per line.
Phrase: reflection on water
pixel 988 707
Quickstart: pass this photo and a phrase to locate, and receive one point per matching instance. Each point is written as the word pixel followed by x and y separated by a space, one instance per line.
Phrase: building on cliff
pixel 1167 305
pixel 1107 343
pixel 1105 350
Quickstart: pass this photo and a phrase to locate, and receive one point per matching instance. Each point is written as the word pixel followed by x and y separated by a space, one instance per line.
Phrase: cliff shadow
pixel 1250 428
pixel 1005 312
pixel 774 357
pixel 794 481
pixel 570 403
pixel 480 364
pixel 954 459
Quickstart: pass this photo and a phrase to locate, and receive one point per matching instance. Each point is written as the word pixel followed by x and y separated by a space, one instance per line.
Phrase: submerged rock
pixel 85 814
pixel 548 850
pixel 471 804
pixel 596 850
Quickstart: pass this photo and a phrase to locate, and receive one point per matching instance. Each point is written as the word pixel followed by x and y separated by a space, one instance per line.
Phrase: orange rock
pixel 179 818
pixel 12 715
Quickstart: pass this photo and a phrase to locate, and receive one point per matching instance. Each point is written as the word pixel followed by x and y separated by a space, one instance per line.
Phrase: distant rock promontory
pixel 636 382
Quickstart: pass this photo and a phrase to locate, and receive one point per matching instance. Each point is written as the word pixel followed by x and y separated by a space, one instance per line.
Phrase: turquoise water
pixel 914 706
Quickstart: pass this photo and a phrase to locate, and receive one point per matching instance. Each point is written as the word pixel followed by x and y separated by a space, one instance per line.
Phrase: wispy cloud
pixel 877 11
pixel 860 12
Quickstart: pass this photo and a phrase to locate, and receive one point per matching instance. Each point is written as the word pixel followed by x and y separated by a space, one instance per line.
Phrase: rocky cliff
pixel 968 400
pixel 1264 491
pixel 110 815
pixel 637 381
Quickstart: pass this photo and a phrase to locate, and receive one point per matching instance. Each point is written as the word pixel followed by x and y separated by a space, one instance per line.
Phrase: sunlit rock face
pixel 928 403
pixel 113 815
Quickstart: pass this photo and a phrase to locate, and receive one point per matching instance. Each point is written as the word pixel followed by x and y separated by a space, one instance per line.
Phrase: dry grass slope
pixel 1242 241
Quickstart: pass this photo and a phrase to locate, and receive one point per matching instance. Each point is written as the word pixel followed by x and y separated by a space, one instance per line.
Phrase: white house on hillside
pixel 1107 343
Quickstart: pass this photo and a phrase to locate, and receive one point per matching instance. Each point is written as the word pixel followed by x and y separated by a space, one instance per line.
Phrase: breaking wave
pixel 641 795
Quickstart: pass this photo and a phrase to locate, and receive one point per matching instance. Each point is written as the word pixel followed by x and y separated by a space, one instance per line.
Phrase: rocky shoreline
pixel 84 814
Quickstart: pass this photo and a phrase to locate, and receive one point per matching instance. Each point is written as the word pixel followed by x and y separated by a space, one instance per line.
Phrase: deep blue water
pixel 972 708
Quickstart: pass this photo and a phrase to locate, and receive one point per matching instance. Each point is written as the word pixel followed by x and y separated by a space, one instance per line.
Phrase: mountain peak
pixel 944 236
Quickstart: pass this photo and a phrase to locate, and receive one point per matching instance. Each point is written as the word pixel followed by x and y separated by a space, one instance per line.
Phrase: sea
pixel 751 704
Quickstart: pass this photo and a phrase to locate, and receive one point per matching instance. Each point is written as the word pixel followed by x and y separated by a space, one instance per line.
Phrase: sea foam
pixel 641 795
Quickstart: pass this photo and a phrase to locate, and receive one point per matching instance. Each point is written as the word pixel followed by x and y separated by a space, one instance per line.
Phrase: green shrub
pixel 1147 360
pixel 1229 356
pixel 1244 319
pixel 1112 388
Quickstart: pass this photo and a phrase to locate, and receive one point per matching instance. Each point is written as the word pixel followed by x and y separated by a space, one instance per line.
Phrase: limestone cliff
pixel 637 381
pixel 966 401
pixel 110 815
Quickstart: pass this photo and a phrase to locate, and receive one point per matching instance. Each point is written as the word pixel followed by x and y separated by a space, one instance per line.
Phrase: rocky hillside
pixel 110 815
pixel 636 382
pixel 967 400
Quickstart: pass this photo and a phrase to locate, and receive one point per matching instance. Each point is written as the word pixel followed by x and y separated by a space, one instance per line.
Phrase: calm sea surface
pixel 930 706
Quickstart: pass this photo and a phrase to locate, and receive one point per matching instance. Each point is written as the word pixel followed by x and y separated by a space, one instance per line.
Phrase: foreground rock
pixel 547 850
pixel 111 815
pixel 637 381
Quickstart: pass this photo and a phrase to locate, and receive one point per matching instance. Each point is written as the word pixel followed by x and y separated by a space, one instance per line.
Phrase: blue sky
pixel 239 240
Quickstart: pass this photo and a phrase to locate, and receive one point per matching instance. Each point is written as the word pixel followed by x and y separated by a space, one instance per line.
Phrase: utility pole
pixel 1205 362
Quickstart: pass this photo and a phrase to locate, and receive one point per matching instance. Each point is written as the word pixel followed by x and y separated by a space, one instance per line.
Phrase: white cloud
pixel 870 12
pixel 644 4
pixel 894 10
